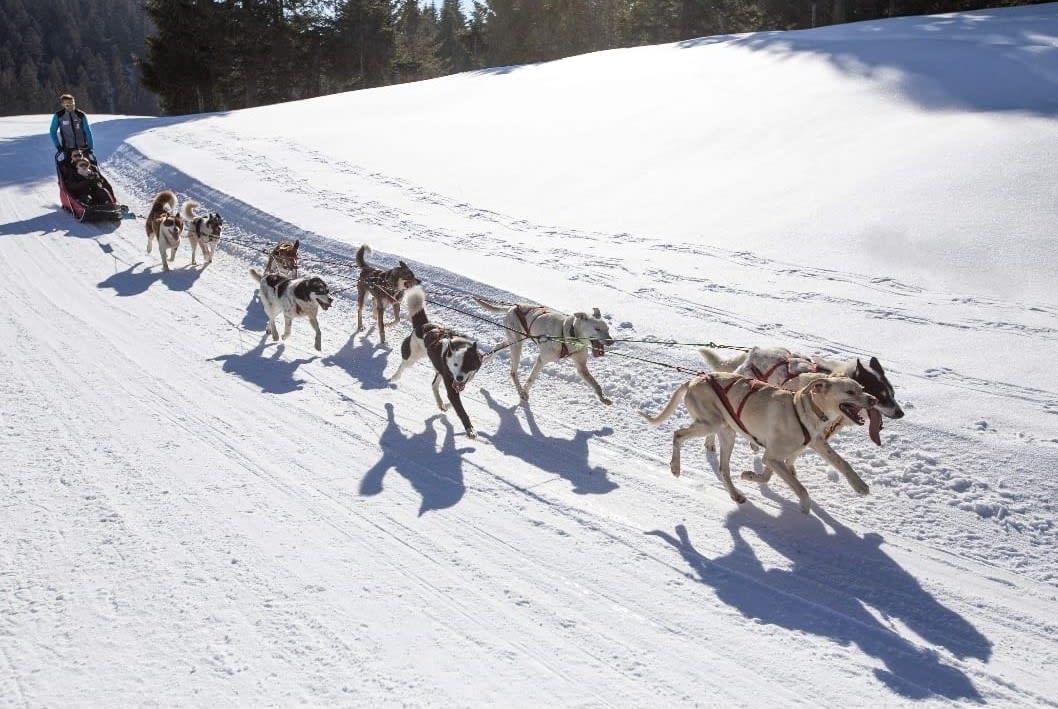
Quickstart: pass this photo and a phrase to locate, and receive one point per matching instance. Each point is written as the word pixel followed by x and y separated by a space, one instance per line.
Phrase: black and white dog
pixel 780 367
pixel 203 231
pixel 455 358
pixel 293 297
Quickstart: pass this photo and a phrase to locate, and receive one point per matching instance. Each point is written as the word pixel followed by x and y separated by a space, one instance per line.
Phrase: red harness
pixel 766 376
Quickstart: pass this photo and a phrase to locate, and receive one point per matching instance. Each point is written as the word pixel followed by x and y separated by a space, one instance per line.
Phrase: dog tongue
pixel 875 426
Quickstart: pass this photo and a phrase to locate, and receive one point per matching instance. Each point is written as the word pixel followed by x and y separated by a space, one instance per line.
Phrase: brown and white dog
pixel 164 224
pixel 293 297
pixel 284 259
pixel 455 357
pixel 386 287
pixel 782 422
pixel 557 336
pixel 203 231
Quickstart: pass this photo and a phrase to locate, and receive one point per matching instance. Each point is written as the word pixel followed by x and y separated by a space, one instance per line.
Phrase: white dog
pixel 780 421
pixel 203 231
pixel 297 297
pixel 557 336
pixel 779 366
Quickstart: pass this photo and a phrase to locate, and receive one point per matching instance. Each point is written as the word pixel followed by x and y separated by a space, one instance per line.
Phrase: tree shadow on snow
pixel 132 282
pixel 435 474
pixel 834 576
pixel 274 374
pixel 364 361
pixel 566 457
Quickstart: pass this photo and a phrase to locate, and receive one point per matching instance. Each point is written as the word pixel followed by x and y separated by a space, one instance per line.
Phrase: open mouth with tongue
pixel 875 427
pixel 458 385
pixel 852 413
pixel 597 348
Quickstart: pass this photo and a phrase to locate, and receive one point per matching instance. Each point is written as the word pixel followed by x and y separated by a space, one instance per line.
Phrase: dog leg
pixel 437 392
pixel 516 361
pixel 457 404
pixel 288 321
pixel 581 363
pixel 710 443
pixel 150 242
pixel 272 329
pixel 727 444
pixel 537 366
pixel 695 430
pixel 161 251
pixel 194 246
pixel 396 314
pixel 823 448
pixel 790 478
pixel 380 312
pixel 319 335
pixel 361 293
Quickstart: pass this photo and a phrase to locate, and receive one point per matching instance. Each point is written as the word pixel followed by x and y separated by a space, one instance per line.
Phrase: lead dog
pixel 779 366
pixel 455 358
pixel 164 224
pixel 557 336
pixel 203 231
pixel 782 422
pixel 385 286
pixel 293 297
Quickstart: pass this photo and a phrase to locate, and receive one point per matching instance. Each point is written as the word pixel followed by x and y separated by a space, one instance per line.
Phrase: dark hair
pixel 67 96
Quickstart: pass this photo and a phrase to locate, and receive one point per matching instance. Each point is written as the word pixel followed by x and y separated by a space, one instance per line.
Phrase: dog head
pixel 839 398
pixel 313 290
pixel 170 224
pixel 873 380
pixel 213 224
pixel 404 277
pixel 594 329
pixel 463 360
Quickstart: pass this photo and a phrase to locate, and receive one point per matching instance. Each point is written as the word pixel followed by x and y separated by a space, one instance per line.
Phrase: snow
pixel 193 516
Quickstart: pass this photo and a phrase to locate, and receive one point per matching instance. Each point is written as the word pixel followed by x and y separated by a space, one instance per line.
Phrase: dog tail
pixel 416 302
pixel 491 306
pixel 670 408
pixel 188 210
pixel 164 201
pixel 719 364
pixel 256 275
pixel 361 254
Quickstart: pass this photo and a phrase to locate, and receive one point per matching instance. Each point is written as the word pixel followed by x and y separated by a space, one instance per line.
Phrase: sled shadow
pixel 566 457
pixel 132 282
pixel 834 574
pixel 437 475
pixel 274 375
pixel 364 361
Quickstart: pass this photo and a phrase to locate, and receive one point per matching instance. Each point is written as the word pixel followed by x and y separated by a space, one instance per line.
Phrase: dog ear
pixel 595 312
pixel 876 365
pixel 297 243
pixel 402 264
pixel 858 371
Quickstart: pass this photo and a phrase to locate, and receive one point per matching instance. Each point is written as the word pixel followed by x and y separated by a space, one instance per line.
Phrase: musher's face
pixel 68 104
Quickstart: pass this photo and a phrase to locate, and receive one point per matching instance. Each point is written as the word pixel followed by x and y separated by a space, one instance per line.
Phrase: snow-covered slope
pixel 193 516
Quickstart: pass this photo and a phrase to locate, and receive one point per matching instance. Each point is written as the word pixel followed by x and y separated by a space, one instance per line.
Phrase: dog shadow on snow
pixel 363 360
pixel 436 474
pixel 273 374
pixel 134 282
pixel 834 575
pixel 566 457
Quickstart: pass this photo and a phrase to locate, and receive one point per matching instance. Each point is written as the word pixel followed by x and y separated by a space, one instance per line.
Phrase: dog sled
pixel 88 209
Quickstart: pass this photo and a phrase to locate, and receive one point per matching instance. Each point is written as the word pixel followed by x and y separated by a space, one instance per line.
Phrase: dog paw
pixel 675 468
pixel 750 475
pixel 862 489
pixel 606 400
pixel 806 506
pixel 739 498
pixel 471 433
pixel 444 407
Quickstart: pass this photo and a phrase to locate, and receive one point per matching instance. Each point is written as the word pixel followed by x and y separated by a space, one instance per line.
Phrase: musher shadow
pixel 834 576
pixel 566 457
pixel 274 375
pixel 437 475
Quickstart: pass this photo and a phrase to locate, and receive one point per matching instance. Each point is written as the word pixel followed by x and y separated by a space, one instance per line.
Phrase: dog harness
pixel 765 376
pixel 527 324
pixel 735 413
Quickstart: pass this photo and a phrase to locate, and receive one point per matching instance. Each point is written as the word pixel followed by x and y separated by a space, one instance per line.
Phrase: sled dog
pixel 284 259
pixel 386 287
pixel 455 358
pixel 779 366
pixel 293 297
pixel 202 230
pixel 782 422
pixel 557 336
pixel 164 224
